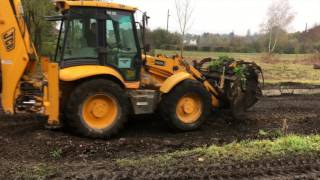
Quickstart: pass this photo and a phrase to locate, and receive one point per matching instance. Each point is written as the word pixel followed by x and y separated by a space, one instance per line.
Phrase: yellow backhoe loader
pixel 101 74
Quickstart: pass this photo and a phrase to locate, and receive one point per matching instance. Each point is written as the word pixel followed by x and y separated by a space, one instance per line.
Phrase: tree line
pixel 273 37
pixel 287 43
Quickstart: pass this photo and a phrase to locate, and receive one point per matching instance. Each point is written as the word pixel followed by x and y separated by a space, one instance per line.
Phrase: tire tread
pixel 85 89
pixel 169 101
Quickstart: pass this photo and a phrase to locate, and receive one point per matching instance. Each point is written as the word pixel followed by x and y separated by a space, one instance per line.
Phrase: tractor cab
pixel 99 33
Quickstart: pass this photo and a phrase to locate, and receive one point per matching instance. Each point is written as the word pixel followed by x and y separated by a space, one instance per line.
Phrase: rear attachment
pixel 237 81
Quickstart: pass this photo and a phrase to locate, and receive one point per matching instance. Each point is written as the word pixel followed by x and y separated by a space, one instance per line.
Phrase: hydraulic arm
pixel 21 91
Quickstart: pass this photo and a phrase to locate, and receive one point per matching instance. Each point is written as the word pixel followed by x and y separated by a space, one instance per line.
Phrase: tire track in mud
pixel 295 168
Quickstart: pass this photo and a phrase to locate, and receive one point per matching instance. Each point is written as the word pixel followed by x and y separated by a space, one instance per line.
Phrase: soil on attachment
pixel 28 150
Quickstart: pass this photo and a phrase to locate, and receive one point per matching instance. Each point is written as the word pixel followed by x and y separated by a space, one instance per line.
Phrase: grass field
pixel 242 151
pixel 296 68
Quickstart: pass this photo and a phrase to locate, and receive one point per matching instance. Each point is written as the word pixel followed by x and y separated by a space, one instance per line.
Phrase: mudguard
pixel 172 81
pixel 80 72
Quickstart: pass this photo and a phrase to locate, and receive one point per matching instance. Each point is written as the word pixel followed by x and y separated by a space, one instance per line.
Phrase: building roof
pixel 64 4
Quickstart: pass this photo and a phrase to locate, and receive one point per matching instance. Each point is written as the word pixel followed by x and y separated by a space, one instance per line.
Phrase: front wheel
pixel 97 108
pixel 187 106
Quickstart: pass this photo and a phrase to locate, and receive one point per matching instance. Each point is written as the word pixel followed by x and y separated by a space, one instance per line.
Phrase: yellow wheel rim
pixel 100 111
pixel 189 108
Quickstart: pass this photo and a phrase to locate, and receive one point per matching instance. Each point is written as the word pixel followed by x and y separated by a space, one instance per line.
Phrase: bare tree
pixel 184 10
pixel 279 17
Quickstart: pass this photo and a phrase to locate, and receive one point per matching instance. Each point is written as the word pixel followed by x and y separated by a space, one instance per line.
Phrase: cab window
pixel 81 39
pixel 122 50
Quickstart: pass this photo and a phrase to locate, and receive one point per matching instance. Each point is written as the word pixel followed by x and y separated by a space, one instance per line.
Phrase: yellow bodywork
pixel 68 4
pixel 18 62
pixel 14 52
pixel 163 66
pixel 172 72
pixel 52 101
pixel 80 72
pixel 173 80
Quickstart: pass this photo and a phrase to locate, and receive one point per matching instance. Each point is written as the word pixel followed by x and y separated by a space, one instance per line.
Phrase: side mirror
pixel 139 25
pixel 147 48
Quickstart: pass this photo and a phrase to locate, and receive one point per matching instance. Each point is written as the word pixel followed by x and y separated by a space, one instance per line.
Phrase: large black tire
pixel 81 94
pixel 0 80
pixel 1 108
pixel 170 101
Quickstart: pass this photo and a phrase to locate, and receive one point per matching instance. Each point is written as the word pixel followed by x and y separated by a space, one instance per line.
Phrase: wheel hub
pixel 99 109
pixel 189 106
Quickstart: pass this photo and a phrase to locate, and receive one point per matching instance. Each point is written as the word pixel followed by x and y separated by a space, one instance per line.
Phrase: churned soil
pixel 28 150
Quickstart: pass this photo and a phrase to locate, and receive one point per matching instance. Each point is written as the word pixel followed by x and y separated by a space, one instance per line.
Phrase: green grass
pixel 56 153
pixel 284 67
pixel 292 145
pixel 40 171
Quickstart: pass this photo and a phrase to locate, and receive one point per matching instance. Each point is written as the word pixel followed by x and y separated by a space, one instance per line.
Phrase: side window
pixel 127 35
pixel 122 50
pixel 111 36
pixel 81 39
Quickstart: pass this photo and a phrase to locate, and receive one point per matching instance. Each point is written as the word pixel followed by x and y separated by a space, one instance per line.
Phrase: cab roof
pixel 64 5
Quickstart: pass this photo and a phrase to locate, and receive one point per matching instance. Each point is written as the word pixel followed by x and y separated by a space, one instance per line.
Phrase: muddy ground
pixel 28 150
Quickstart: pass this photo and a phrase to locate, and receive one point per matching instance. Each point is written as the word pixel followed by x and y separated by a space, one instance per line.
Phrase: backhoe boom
pixel 16 51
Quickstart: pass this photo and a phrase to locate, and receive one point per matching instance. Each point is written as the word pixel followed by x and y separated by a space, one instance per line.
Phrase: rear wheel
pixel 1 109
pixel 0 80
pixel 186 107
pixel 97 108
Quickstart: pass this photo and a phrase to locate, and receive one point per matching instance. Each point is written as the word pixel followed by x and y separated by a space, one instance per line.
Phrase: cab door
pixel 122 50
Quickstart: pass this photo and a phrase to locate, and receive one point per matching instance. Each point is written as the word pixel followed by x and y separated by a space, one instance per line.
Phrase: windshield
pixel 120 32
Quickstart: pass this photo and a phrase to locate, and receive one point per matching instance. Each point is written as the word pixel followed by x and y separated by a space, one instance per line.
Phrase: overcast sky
pixel 225 16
